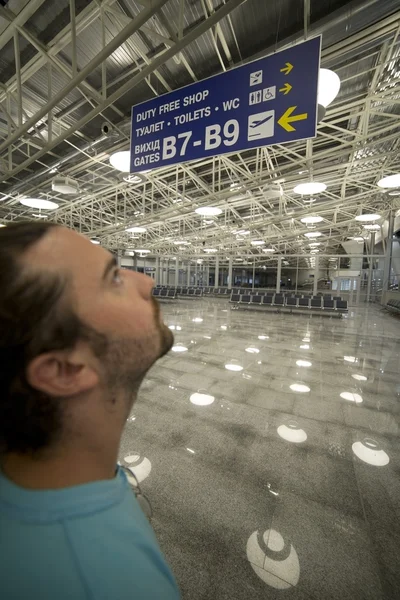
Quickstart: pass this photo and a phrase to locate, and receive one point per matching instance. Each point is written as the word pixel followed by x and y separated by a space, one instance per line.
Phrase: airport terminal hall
pixel 239 161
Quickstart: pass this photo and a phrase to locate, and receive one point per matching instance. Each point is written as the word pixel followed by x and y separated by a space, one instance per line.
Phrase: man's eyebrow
pixel 112 263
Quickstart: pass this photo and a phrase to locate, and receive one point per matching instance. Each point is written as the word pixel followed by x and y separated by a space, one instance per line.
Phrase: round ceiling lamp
pixel 121 161
pixel 94 241
pixel 328 87
pixel 314 244
pixel 311 219
pixel 208 211
pixel 136 230
pixel 210 249
pixel 391 181
pixel 181 243
pixel 39 203
pixel 143 251
pixel 395 193
pixel 312 187
pixel 367 217
pixel 313 234
pixel 257 242
pixel 315 251
pixel 268 250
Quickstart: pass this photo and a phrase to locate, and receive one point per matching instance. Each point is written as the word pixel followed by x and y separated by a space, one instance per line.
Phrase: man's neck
pixel 63 470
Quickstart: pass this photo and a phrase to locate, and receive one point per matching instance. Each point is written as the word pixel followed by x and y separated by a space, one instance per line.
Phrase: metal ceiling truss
pixel 357 142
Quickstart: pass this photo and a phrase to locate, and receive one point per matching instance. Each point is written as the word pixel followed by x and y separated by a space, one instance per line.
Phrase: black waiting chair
pixel 316 302
pixel 245 299
pixel 256 299
pixel 341 306
pixel 235 298
pixel 291 302
pixel 279 300
pixel 267 300
pixel 171 294
pixel 304 302
pixel 328 304
pixel 156 291
pixel 164 292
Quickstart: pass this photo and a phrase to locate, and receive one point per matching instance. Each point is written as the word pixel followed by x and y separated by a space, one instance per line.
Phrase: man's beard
pixel 127 360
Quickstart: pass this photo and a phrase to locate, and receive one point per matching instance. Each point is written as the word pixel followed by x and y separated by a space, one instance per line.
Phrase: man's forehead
pixel 62 248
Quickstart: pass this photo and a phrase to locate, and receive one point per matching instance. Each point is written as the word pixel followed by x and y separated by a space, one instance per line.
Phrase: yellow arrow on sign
pixel 287 68
pixel 286 88
pixel 287 118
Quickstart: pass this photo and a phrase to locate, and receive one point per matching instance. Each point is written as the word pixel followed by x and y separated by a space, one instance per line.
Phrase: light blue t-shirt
pixel 89 542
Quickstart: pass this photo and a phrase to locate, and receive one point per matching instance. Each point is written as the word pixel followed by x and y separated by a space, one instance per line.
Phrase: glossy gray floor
pixel 269 447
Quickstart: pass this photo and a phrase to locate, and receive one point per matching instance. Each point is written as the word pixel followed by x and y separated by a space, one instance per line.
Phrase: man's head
pixel 77 334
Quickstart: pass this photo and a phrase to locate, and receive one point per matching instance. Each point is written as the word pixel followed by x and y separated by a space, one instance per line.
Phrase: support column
pixel 371 252
pixel 230 270
pixel 176 272
pixel 297 274
pixel 254 273
pixel 157 273
pixel 206 283
pixel 135 262
pixel 188 274
pixel 279 274
pixel 316 275
pixel 119 258
pixel 216 279
pixel 388 257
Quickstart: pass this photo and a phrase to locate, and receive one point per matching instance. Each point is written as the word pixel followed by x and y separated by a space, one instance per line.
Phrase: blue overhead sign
pixel 272 100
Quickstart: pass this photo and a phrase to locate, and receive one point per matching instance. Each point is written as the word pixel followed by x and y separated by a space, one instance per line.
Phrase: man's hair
pixel 35 317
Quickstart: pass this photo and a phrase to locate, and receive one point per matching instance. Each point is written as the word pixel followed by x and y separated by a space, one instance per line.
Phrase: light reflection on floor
pixel 273 444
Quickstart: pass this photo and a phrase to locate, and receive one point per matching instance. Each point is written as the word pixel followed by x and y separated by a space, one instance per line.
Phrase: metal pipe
pixel 370 270
pixel 278 275
pixel 115 43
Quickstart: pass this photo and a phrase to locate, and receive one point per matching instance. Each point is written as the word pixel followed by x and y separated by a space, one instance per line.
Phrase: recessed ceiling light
pixel 136 230
pixel 121 161
pixel 311 219
pixel 143 251
pixel 97 242
pixel 303 363
pixel 312 187
pixel 257 242
pixel 391 181
pixel 208 211
pixel 314 244
pixel 243 232
pixel 358 377
pixel 367 217
pixel 395 193
pixel 181 243
pixel 328 87
pixel 39 203
pixel 252 350
pixel 210 249
pixel 269 250
pixel 372 227
pixel 313 234
pixel 369 451
pixel 315 251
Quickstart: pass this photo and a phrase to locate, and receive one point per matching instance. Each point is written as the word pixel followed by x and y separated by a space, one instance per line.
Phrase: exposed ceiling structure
pixel 71 70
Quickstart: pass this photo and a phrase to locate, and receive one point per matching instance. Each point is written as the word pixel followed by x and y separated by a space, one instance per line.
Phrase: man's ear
pixel 64 372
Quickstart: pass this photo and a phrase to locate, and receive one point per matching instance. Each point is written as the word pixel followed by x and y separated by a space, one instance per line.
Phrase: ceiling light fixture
pixel 367 217
pixel 143 251
pixel 208 211
pixel 311 219
pixel 391 181
pixel 328 87
pixel 97 242
pixel 136 230
pixel 372 227
pixel 314 244
pixel 312 187
pixel 181 243
pixel 39 203
pixel 313 234
pixel 257 242
pixel 121 161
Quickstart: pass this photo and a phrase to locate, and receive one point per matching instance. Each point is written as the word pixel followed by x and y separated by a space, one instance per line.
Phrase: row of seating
pixel 161 292
pixel 393 305
pixel 280 301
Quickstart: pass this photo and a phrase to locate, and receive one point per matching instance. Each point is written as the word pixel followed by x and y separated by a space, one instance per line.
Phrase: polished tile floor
pixel 269 448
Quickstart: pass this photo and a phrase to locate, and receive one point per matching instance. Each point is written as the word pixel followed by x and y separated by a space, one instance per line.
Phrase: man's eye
pixel 117 279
